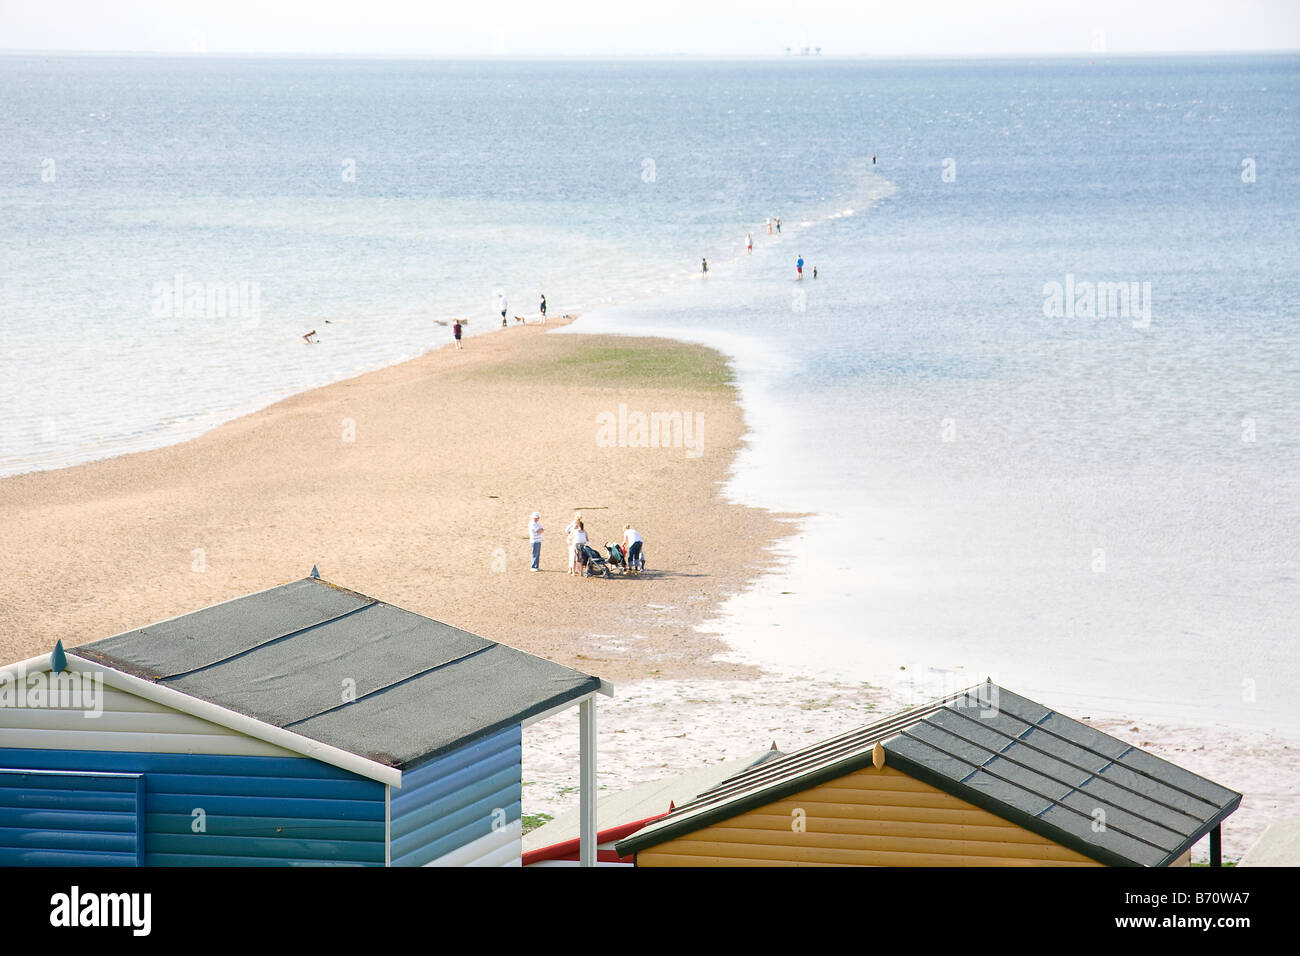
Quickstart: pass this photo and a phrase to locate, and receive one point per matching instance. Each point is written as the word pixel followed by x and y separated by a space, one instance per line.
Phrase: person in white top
pixel 749 243
pixel 632 548
pixel 535 536
pixel 579 547
pixel 568 537
pixel 501 304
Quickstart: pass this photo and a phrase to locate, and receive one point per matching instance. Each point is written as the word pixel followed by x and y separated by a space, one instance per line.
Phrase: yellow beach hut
pixel 981 778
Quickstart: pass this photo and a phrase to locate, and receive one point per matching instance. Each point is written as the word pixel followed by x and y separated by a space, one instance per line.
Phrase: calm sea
pixel 1043 396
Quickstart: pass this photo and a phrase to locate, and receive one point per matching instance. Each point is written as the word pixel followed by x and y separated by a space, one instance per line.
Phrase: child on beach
pixel 704 266
pixel 543 308
pixel 749 243
pixel 455 331
pixel 798 266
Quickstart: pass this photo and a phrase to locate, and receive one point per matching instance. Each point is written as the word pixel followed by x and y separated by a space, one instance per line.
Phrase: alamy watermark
pixel 626 429
pixel 179 299
pixel 1098 300
pixel 75 908
pixel 67 690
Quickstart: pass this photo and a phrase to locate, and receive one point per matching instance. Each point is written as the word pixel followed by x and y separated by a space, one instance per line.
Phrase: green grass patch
pixel 645 363
pixel 534 820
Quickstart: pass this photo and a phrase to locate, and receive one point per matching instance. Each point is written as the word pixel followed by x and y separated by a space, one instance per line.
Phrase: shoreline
pixel 105 546
pixel 413 483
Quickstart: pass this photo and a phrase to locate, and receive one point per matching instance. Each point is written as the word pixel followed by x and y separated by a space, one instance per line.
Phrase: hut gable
pixel 305 724
pixel 993 751
pixel 345 670
pixel 99 716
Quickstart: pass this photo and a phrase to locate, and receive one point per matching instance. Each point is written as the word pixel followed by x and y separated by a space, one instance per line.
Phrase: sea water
pixel 1097 505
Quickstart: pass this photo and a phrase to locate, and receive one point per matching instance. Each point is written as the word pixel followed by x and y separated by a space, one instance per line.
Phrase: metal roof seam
pixel 798 766
pixel 864 739
pixel 1052 801
pixel 388 687
pixel 267 643
pixel 1098 753
pixel 1011 741
pixel 712 798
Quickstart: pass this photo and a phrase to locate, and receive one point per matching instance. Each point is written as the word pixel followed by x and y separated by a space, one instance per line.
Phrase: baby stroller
pixel 620 560
pixel 595 564
pixel 616 559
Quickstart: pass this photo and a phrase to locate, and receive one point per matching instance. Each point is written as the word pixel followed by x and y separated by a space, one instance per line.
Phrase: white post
pixel 587 788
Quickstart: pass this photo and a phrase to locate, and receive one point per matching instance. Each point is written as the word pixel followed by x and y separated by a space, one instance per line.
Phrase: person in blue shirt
pixel 798 266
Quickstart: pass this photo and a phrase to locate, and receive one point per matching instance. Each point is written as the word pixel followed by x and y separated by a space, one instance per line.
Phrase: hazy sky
pixel 623 27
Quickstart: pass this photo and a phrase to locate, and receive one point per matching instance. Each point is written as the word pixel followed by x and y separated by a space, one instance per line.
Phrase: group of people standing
pixel 575 540
pixel 749 248
pixel 503 307
pixel 458 327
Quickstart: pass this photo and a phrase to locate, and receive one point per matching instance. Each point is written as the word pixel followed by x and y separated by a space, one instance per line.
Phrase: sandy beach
pixel 415 484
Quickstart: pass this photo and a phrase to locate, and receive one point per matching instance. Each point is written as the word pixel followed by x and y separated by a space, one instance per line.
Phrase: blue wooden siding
pixel 448 803
pixel 50 818
pixel 259 810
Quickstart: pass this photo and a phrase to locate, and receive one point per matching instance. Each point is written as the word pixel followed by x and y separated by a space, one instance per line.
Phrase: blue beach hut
pixel 303 725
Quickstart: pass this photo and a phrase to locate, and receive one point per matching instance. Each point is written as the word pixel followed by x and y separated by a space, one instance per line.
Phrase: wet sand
pixel 414 484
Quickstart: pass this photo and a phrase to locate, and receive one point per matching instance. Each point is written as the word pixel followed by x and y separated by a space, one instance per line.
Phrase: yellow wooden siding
pixel 866 818
pixel 127 722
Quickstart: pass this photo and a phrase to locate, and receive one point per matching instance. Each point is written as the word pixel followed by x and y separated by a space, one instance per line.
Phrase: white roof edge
pixel 233 720
pixel 37 663
pixel 558 708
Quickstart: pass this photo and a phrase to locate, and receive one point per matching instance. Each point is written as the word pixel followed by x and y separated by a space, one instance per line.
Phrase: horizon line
pixel 798 56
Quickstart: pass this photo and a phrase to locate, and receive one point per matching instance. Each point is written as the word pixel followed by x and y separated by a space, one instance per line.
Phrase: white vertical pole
pixel 587 788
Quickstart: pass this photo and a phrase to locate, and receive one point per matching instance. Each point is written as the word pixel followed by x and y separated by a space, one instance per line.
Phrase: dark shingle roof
pixel 1008 755
pixel 346 670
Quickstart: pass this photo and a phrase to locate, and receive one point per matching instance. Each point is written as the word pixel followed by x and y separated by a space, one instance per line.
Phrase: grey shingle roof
pixel 346 670
pixel 1011 756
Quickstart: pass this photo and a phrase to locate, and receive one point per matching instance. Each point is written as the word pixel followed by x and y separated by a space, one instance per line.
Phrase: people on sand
pixel 568 536
pixel 456 331
pixel 578 547
pixel 798 266
pixel 501 304
pixel 632 548
pixel 535 538
pixel 543 308
pixel 704 266
pixel 749 243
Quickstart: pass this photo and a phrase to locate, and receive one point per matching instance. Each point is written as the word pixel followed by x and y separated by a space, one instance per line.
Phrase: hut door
pixel 71 818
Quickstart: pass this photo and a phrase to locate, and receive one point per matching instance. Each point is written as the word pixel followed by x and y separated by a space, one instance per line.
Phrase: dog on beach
pixel 520 319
